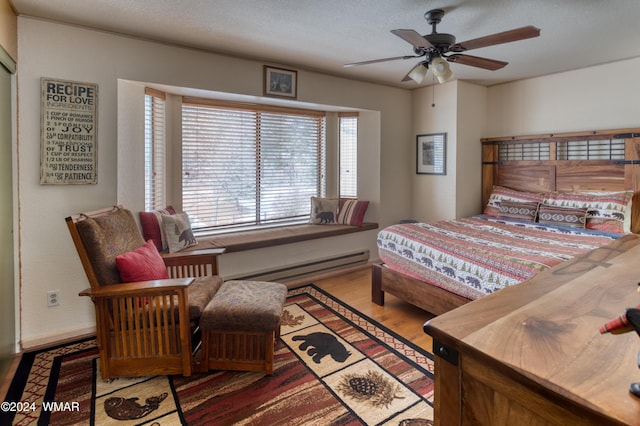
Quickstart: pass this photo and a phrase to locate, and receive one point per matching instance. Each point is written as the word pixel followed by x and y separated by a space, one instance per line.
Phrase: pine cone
pixel 363 386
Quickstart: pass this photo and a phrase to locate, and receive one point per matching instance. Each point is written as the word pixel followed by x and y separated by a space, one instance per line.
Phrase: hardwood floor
pixel 354 288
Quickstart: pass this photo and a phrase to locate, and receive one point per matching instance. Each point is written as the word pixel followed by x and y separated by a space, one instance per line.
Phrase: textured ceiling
pixel 324 35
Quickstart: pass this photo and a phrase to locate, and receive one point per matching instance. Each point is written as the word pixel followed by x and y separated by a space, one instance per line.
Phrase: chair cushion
pixel 107 236
pixel 245 306
pixel 142 264
pixel 201 291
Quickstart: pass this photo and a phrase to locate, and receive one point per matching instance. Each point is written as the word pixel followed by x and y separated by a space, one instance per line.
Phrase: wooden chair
pixel 142 328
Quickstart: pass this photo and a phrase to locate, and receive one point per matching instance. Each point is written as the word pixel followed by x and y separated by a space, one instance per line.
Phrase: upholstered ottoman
pixel 240 324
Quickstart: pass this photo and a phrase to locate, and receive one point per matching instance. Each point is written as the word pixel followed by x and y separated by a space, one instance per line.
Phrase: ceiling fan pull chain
pixel 433 92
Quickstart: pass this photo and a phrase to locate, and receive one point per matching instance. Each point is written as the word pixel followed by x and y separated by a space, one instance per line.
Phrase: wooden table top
pixel 546 329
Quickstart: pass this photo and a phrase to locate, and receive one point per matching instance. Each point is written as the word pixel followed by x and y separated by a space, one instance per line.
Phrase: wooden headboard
pixel 606 160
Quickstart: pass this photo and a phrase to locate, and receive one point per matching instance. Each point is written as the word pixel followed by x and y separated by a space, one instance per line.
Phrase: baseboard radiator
pixel 308 267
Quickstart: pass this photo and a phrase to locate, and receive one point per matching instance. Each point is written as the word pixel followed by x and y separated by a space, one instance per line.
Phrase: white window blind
pixel 154 150
pixel 348 155
pixel 247 166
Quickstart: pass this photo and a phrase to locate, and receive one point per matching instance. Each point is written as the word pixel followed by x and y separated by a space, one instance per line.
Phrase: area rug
pixel 332 366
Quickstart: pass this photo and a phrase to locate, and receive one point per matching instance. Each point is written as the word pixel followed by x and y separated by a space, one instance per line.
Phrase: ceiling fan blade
pixel 476 61
pixel 413 37
pixel 375 61
pixel 498 38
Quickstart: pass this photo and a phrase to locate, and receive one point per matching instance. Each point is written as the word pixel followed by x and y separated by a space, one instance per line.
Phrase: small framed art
pixel 280 82
pixel 431 154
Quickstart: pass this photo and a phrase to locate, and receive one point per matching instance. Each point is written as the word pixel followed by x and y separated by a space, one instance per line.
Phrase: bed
pixel 440 266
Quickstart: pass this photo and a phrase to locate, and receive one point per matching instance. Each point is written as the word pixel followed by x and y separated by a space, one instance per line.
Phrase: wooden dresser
pixel 532 354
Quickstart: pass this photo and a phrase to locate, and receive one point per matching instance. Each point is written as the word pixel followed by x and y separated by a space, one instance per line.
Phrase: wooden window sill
pixel 248 240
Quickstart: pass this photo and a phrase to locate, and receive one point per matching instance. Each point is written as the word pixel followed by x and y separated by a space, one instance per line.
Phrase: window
pixel 154 150
pixel 348 140
pixel 250 165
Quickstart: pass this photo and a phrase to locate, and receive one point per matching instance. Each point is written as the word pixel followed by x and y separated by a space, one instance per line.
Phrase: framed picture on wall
pixel 280 82
pixel 431 154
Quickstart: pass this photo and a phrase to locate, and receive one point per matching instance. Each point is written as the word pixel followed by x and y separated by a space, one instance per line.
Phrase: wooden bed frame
pixel 544 173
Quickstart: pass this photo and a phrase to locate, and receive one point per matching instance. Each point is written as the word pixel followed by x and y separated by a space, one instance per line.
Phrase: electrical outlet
pixel 53 298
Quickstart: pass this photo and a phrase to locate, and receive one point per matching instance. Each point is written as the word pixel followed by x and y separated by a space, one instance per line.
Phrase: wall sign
pixel 69 132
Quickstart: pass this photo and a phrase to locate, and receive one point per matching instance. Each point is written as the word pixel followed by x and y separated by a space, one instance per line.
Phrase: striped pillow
pixel 351 212
pixel 607 211
pixel 500 194
pixel 517 210
pixel 563 216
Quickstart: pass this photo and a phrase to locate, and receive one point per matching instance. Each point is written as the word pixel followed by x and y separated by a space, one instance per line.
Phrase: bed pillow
pixel 563 216
pixel 501 193
pixel 151 223
pixel 177 229
pixel 142 264
pixel 351 212
pixel 324 211
pixel 607 211
pixel 518 210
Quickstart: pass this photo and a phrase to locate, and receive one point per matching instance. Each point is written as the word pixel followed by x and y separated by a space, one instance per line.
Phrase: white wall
pixel 47 257
pixel 460 112
pixel 434 196
pixel 471 126
pixel 597 98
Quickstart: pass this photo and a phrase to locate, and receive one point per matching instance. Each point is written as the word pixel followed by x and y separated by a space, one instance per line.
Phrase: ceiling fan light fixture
pixel 418 73
pixel 441 70
pixel 448 76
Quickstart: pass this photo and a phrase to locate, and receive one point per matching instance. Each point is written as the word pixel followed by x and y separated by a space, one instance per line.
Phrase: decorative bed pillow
pixel 351 212
pixel 324 211
pixel 607 211
pixel 177 228
pixel 152 229
pixel 518 210
pixel 563 216
pixel 142 264
pixel 501 193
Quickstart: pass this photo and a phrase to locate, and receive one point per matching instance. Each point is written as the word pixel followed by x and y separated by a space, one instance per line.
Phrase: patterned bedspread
pixel 476 256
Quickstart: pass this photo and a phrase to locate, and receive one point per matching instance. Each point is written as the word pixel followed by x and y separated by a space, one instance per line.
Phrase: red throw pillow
pixel 142 264
pixel 151 224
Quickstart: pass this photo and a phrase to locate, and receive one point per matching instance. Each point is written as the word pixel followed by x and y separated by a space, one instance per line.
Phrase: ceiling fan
pixel 440 48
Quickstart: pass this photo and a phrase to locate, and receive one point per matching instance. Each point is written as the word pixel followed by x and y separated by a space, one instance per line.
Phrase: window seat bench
pixel 248 240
